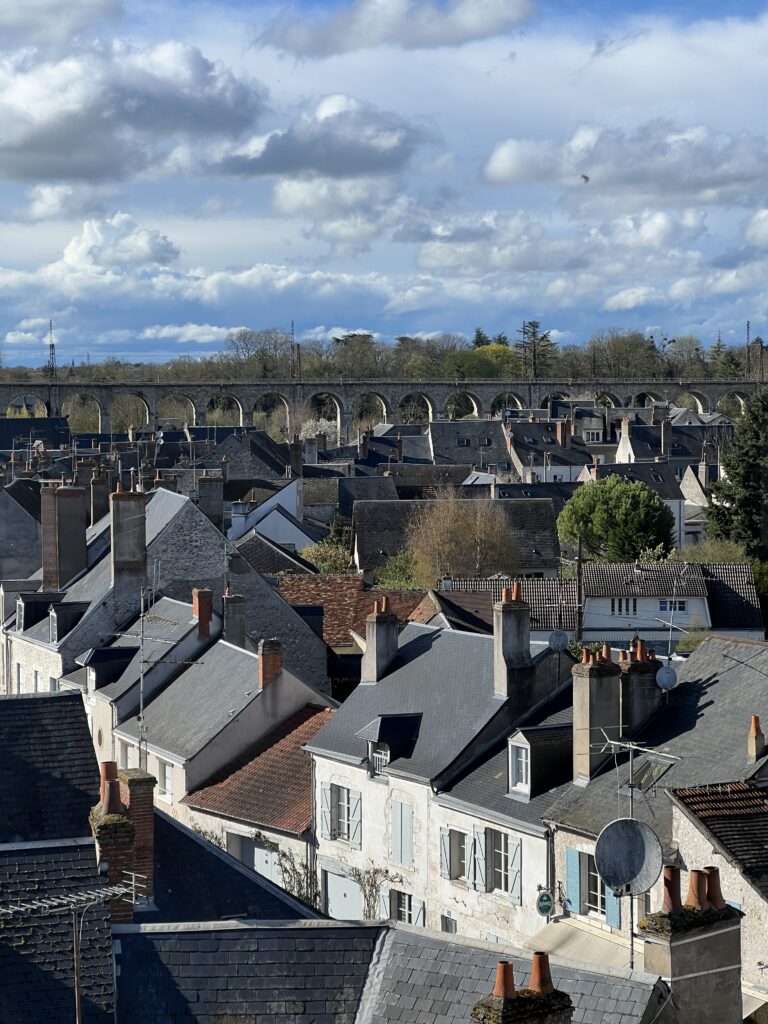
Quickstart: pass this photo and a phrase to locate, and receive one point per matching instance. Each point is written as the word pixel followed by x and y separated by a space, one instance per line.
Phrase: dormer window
pixel 519 768
pixel 462 442
pixel 486 442
pixel 378 757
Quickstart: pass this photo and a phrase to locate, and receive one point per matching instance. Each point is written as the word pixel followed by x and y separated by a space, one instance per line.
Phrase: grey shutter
pixel 612 909
pixel 445 853
pixel 573 879
pixel 514 850
pixel 325 810
pixel 355 819
pixel 406 834
pixel 479 874
pixel 418 912
pixel 384 905
pixel 397 832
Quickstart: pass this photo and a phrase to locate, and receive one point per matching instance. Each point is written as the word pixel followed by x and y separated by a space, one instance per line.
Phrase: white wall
pixel 287 497
pixel 597 615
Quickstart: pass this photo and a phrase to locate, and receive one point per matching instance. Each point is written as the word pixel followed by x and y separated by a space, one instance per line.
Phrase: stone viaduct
pixel 246 396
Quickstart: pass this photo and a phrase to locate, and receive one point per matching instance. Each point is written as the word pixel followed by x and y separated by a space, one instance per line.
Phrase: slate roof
pixel 49 777
pixel 269 558
pixel 685 442
pixel 534 439
pixel 54 430
pixel 643 579
pixel 734 815
pixel 733 600
pixel 36 968
pixel 357 488
pixel 26 493
pixel 468 604
pixel 477 442
pixel 270 784
pixel 304 975
pixel 379 528
pixel 323 490
pixel 659 476
pixel 557 491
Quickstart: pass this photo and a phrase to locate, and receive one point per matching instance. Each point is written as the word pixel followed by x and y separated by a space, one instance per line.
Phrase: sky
pixel 170 171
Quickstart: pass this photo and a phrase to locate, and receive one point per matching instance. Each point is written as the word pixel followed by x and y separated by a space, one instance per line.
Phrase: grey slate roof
pixel 370 488
pixel 36 968
pixel 659 476
pixel 557 491
pixel 27 494
pixel 534 439
pixel 643 579
pixel 733 600
pixel 200 702
pixel 269 558
pixel 473 442
pixel 468 603
pixel 685 443
pixel 49 777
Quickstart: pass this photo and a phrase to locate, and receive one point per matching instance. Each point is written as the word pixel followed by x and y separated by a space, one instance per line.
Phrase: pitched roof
pixel 469 603
pixel 685 442
pixel 269 558
pixel 735 815
pixel 477 442
pixel 659 476
pixel 534 439
pixel 49 777
pixel 643 579
pixel 357 488
pixel 271 783
pixel 733 600
pixel 27 494
pixel 558 491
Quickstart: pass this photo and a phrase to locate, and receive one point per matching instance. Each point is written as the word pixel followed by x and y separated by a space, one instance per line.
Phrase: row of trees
pixel 529 354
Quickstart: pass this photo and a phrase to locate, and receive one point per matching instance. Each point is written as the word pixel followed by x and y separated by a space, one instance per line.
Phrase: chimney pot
pixel 517 591
pixel 606 651
pixel 672 902
pixel 270 661
pixel 385 604
pixel 640 650
pixel 755 740
pixel 111 803
pixel 506 595
pixel 107 772
pixel 585 656
pixel 504 987
pixel 541 976
pixel 697 891
pixel 714 892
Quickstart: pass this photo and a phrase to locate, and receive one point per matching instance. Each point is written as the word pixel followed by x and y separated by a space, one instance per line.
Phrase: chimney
pixel 564 432
pixel 322 442
pixel 270 661
pixel 596 706
pixel 295 460
pixel 128 538
pixel 202 610
pixel 755 740
pixel 63 525
pixel 511 639
pixel 625 429
pixel 107 773
pixel 234 618
pixel 114 833
pixel 640 695
pixel 699 949
pixel 224 468
pixel 665 438
pixel 363 445
pixel 136 793
pixel 99 497
pixel 310 451
pixel 541 1002
pixel 210 498
pixel 380 642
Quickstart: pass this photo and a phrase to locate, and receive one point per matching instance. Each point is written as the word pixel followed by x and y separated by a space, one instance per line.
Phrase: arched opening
pixel 414 408
pixel 733 404
pixel 607 401
pixel 368 410
pixel 83 414
pixel 506 400
pixel 26 406
pixel 128 411
pixel 323 414
pixel 271 413
pixel 462 405
pixel 645 398
pixel 554 396
pixel 690 400
pixel 224 411
pixel 175 411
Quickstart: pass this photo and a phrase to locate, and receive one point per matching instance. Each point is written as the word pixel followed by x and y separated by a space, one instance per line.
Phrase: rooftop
pixel 643 579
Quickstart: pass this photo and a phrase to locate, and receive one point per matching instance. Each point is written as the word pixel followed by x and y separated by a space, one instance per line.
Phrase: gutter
pixel 526 827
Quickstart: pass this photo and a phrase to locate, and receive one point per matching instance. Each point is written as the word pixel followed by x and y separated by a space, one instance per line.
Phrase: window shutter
pixel 384 907
pixel 445 853
pixel 515 870
pixel 355 819
pixel 573 879
pixel 478 856
pixel 397 831
pixel 325 810
pixel 612 909
pixel 418 911
pixel 406 833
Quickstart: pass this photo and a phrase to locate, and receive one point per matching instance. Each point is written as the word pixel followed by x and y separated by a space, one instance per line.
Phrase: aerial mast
pixel 51 367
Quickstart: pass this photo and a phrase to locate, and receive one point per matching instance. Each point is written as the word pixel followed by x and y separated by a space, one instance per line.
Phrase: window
pixel 585 891
pixel 668 605
pixel 53 684
pixel 402 906
pixel 593 436
pixel 38 687
pixel 486 442
pixel 462 442
pixel 402 833
pixel 457 854
pixel 339 812
pixel 19 678
pixel 624 606
pixel 379 758
pixel 595 888
pixel 165 780
pixel 124 754
pixel 518 767
pixel 498 849
pixel 448 924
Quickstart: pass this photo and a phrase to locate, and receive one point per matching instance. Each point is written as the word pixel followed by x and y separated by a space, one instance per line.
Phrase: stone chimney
pixel 128 538
pixel 295 459
pixel 310 451
pixel 698 947
pixel 234 618
pixel 202 610
pixel 540 1002
pixel 380 642
pixel 755 740
pixel 564 432
pixel 665 435
pixel 641 696
pixel 63 526
pixel 210 498
pixel 99 496
pixel 511 639
pixel 362 447
pixel 270 661
pixel 596 706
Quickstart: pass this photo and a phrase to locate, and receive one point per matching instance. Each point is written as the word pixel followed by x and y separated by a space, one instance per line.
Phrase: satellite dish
pixel 666 678
pixel 159 433
pixel 558 640
pixel 159 441
pixel 628 857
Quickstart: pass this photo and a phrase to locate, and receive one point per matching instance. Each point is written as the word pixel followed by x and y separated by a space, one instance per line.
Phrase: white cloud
pixel 631 298
pixel 117 242
pixel 198 334
pixel 49 21
pixel 410 24
pixel 64 202
pixel 523 162
pixel 756 231
pixel 323 333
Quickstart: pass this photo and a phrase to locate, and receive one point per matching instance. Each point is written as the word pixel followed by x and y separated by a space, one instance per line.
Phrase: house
pixel 480 443
pixel 542 451
pixel 682 445
pixel 660 476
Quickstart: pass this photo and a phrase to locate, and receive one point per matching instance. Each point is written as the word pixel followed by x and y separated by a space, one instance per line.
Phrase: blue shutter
pixel 514 851
pixel 325 810
pixel 478 858
pixel 397 831
pixel 406 834
pixel 573 879
pixel 612 909
pixel 445 853
pixel 418 912
pixel 355 819
pixel 384 908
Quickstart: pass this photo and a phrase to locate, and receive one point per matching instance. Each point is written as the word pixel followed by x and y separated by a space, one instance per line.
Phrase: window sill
pixel 167 798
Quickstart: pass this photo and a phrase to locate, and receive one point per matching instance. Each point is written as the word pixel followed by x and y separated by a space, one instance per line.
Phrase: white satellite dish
pixel 628 857
pixel 666 678
pixel 558 640
pixel 159 433
pixel 159 441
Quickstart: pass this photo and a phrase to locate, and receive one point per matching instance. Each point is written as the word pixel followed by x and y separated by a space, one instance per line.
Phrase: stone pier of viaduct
pixel 485 396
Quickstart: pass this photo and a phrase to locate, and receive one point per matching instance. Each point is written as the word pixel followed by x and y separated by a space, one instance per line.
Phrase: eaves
pixel 527 827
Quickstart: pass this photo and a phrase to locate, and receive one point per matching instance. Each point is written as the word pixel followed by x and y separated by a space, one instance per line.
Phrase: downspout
pixel 311 839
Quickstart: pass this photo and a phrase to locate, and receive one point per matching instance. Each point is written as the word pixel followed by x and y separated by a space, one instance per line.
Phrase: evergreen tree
pixel 537 348
pixel 481 338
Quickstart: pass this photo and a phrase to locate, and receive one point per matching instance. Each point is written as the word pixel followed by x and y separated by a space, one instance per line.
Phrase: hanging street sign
pixel 545 903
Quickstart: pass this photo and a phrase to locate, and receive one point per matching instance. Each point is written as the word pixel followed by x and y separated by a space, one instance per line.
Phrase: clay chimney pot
pixel 385 604
pixel 517 591
pixel 504 986
pixel 697 891
pixel 754 728
pixel 506 595
pixel 541 977
pixel 714 892
pixel 585 657
pixel 672 902
pixel 107 772
pixel 606 651
pixel 111 804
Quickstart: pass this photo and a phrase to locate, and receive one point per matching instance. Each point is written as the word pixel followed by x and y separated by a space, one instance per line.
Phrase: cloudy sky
pixel 170 170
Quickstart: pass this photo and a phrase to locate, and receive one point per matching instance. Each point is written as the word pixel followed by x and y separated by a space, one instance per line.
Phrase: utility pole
pixel 579 593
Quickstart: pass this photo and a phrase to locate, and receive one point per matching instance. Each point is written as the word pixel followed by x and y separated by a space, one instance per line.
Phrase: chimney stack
pixel 234 618
pixel 295 458
pixel 541 1002
pixel 641 696
pixel 210 498
pixel 755 740
pixel 128 538
pixel 202 610
pixel 310 451
pixel 380 642
pixel 665 435
pixel 564 432
pixel 136 793
pixel 270 661
pixel 63 526
pixel 363 445
pixel 511 639
pixel 399 447
pixel 596 706
pixel 99 496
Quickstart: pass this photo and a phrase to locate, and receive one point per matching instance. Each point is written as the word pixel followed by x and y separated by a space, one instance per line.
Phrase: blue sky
pixel 172 170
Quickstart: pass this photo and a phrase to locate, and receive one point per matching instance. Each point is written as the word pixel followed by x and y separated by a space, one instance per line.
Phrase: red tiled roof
pixel 346 602
pixel 271 784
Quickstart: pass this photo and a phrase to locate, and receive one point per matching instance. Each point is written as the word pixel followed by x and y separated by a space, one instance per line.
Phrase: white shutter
pixel 479 873
pixel 406 834
pixel 397 832
pixel 325 810
pixel 384 907
pixel 514 854
pixel 445 853
pixel 355 819
pixel 418 912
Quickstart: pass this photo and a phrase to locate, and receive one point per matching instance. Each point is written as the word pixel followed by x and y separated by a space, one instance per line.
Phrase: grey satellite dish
pixel 558 640
pixel 628 857
pixel 666 678
pixel 159 441
pixel 159 433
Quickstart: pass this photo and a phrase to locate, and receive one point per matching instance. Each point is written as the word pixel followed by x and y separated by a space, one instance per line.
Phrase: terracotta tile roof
pixel 271 784
pixel 736 816
pixel 346 602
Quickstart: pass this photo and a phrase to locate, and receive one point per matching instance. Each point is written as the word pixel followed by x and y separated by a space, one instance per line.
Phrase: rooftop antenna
pixel 51 368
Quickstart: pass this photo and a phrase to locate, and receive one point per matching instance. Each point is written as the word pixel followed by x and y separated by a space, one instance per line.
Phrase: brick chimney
pixel 63 526
pixel 511 639
pixel 270 661
pixel 380 642
pixel 202 610
pixel 129 539
pixel 641 696
pixel 136 794
pixel 210 498
pixel 564 432
pixel 295 459
pixel 234 618
pixel 99 496
pixel 755 740
pixel 596 706
pixel 541 1002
